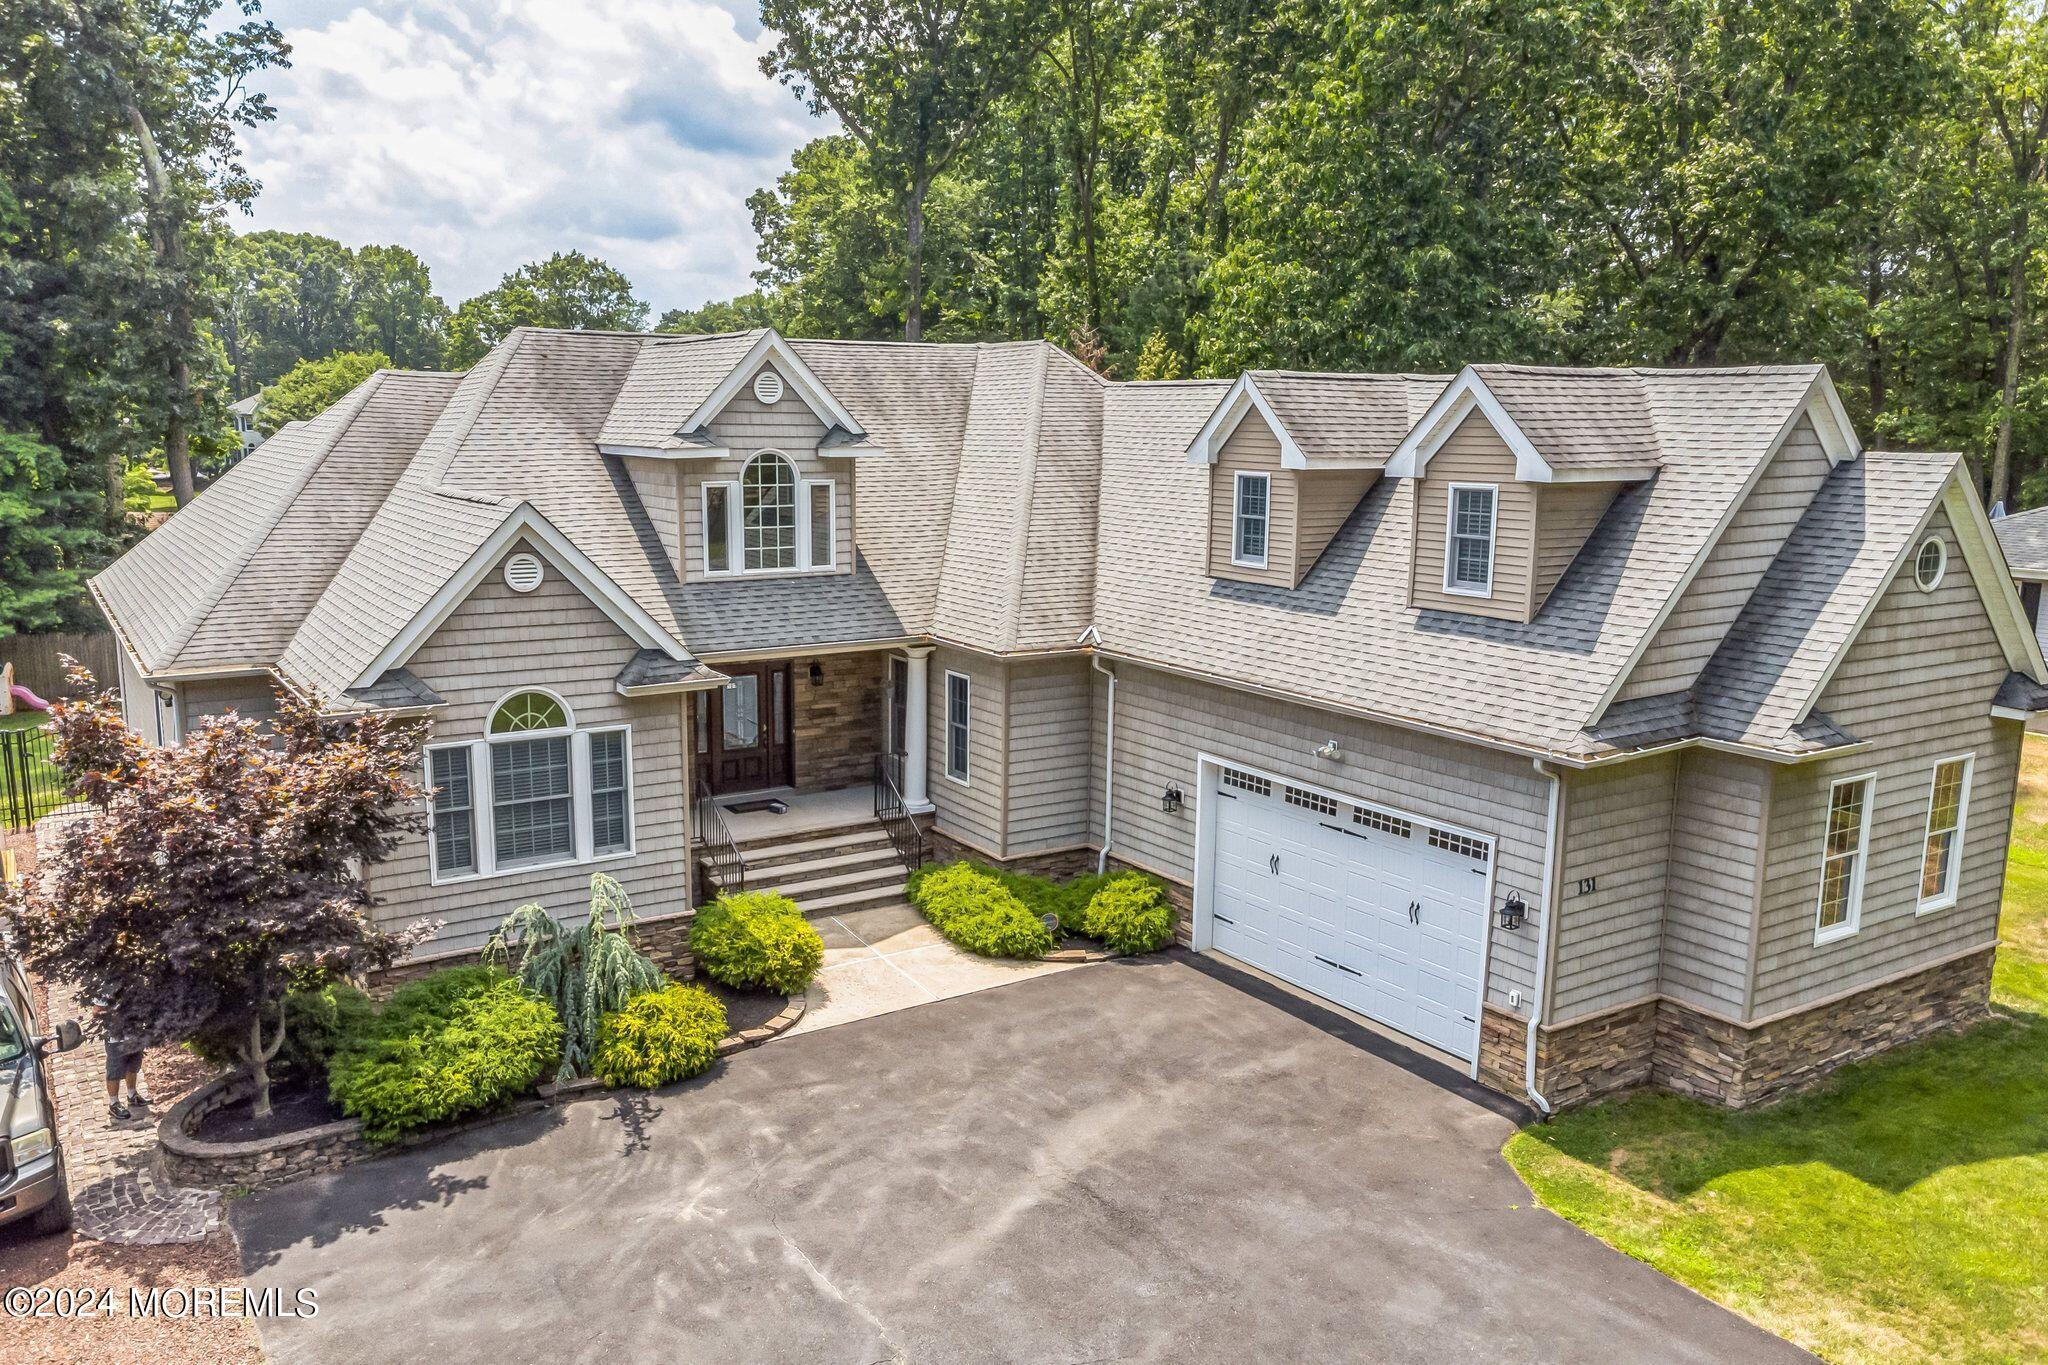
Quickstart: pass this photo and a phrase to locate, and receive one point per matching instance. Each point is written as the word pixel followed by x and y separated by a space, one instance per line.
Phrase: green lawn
pixel 1899 1215
pixel 45 783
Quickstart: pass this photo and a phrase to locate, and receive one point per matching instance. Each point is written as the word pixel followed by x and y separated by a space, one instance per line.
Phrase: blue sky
pixel 487 133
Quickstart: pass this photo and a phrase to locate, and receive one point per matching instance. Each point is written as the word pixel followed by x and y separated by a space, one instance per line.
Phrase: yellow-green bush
pixel 972 908
pixel 662 1036
pixel 757 938
pixel 1129 913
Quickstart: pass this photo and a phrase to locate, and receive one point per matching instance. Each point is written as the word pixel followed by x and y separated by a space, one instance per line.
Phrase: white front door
pixel 1380 912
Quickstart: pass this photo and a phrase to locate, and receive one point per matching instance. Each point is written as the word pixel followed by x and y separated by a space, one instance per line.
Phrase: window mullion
pixel 483 794
pixel 579 793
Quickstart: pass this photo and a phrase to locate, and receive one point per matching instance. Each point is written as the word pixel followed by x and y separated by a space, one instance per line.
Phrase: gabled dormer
pixel 741 455
pixel 1290 455
pixel 1512 469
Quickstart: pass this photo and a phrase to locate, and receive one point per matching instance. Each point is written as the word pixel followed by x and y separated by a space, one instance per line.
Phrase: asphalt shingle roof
pixel 2023 536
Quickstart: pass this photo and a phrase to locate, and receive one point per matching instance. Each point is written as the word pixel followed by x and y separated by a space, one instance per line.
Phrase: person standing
pixel 124 1066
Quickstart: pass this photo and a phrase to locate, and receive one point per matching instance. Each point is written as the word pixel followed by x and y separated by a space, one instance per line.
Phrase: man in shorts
pixel 124 1065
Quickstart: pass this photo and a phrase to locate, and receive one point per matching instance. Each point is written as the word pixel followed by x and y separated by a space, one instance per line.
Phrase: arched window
pixel 768 512
pixel 523 711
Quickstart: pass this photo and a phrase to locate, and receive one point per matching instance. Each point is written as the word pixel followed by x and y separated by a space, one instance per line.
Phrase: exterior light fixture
pixel 1328 749
pixel 1170 802
pixel 1512 911
pixel 817 673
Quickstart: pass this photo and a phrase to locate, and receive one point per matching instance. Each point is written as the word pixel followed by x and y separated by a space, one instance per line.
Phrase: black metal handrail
pixel 903 828
pixel 719 854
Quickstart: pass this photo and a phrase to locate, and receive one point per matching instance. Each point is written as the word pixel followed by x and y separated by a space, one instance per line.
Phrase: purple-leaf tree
pixel 216 875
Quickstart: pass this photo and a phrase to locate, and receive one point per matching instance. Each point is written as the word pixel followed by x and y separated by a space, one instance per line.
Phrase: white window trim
pixel 965 775
pixel 1946 898
pixel 1237 518
pixel 1451 537
pixel 483 806
pixel 1854 920
pixel 1940 572
pixel 735 524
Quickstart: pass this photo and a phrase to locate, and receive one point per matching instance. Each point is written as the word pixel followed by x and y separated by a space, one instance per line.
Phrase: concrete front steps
pixel 828 871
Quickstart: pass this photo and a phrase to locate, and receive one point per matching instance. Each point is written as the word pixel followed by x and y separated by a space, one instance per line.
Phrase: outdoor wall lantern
pixel 1170 802
pixel 817 673
pixel 1328 750
pixel 1512 911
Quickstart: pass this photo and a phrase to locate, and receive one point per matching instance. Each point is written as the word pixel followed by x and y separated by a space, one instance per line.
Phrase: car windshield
pixel 13 1042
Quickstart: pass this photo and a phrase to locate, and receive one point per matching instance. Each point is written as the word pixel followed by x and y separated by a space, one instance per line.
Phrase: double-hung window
pixel 1252 502
pixel 1845 853
pixel 1941 857
pixel 1468 545
pixel 770 520
pixel 956 726
pixel 534 792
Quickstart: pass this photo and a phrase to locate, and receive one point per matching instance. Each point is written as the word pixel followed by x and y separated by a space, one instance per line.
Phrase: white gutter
pixel 1108 764
pixel 1543 930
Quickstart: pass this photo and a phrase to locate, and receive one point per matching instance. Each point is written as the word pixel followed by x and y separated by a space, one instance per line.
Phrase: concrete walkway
pixel 887 959
pixel 1144 1161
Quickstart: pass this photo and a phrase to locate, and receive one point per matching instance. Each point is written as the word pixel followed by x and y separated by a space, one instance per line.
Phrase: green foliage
pixel 974 910
pixel 318 1022
pixel 1129 913
pixel 291 297
pixel 662 1036
pixel 457 1042
pixel 585 973
pixel 310 387
pixel 568 289
pixel 741 314
pixel 754 939
pixel 49 540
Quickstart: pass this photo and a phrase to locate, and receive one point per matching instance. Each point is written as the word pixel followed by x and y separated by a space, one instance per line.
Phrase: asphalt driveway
pixel 1134 1161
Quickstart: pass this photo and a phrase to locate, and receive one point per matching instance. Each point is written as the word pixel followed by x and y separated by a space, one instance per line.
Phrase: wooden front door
pixel 743 730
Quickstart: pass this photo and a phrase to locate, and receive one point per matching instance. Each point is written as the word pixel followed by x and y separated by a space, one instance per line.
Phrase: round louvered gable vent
pixel 768 386
pixel 523 573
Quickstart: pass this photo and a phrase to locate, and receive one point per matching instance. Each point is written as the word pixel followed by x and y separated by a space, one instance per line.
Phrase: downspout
pixel 1543 929
pixel 1108 764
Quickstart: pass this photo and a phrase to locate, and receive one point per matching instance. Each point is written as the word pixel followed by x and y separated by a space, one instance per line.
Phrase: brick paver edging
pixel 261 1163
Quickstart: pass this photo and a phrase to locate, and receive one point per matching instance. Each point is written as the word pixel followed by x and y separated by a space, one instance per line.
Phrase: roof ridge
pixel 1027 487
pixel 360 397
pixel 509 347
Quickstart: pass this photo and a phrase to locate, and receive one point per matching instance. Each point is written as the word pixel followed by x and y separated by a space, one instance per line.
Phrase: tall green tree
pixel 912 82
pixel 396 310
pixel 568 289
pixel 48 540
pixel 283 297
pixel 743 313
pixel 310 387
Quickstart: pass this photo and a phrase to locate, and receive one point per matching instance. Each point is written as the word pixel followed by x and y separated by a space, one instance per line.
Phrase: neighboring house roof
pixel 245 407
pixel 2023 536
pixel 1010 500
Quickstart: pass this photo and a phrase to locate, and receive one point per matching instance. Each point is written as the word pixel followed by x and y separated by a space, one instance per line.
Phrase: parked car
pixel 31 1165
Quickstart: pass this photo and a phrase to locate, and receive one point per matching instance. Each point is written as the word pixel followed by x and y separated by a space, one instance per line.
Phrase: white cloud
pixel 487 134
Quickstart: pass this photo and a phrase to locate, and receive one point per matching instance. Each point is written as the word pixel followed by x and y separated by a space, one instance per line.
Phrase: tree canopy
pixel 568 289
pixel 310 387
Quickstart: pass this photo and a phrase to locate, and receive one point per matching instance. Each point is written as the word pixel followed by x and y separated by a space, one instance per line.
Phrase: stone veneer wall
pixel 1674 1047
pixel 1058 864
pixel 837 727
pixel 666 940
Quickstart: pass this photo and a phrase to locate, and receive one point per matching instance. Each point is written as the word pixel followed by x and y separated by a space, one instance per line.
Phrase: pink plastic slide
pixel 24 697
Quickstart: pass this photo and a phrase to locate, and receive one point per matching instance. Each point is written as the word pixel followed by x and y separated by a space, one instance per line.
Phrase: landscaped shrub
pixel 318 1023
pixel 757 938
pixel 1129 914
pixel 585 973
pixel 662 1036
pixel 456 1042
pixel 972 908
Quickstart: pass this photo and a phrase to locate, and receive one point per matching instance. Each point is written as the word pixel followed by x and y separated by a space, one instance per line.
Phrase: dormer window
pixel 1254 514
pixel 1468 556
pixel 770 521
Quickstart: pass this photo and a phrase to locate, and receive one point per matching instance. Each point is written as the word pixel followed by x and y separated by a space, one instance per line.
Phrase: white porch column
pixel 916 729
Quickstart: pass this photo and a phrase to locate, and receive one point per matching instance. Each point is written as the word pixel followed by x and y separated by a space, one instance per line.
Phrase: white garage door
pixel 1384 914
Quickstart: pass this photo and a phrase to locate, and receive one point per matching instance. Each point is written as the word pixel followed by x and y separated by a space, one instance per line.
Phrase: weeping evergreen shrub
pixel 585 973
pixel 757 938
pixel 662 1036
pixel 453 1043
pixel 972 909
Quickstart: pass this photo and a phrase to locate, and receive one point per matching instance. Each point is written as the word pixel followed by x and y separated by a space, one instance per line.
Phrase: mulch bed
pixel 744 1009
pixel 291 1110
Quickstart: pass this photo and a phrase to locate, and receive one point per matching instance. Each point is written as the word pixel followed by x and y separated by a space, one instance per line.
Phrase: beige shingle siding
pixel 1051 711
pixel 972 811
pixel 1566 514
pixel 1475 453
pixel 1326 498
pixel 1617 836
pixel 553 637
pixel 249 698
pixel 1163 723
pixel 655 481
pixel 1711 602
pixel 1916 685
pixel 1716 830
pixel 1252 449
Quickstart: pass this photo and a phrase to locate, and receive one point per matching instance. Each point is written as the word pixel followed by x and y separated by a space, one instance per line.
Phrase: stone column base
pixel 1675 1047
